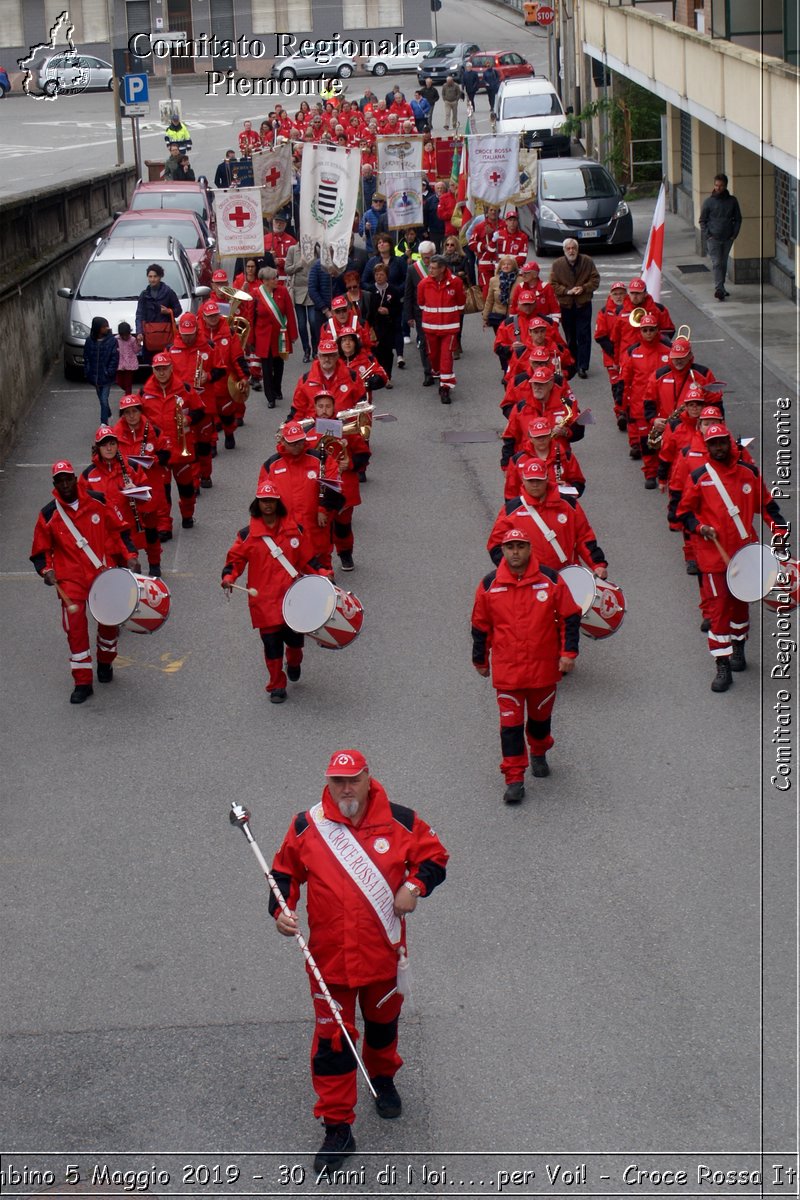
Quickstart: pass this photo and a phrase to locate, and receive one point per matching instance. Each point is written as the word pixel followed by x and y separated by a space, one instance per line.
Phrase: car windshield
pixel 578 183
pixel 124 280
pixel 441 51
pixel 184 231
pixel 190 200
pixel 541 104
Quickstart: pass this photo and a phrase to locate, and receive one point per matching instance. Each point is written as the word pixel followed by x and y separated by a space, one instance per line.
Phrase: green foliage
pixel 633 113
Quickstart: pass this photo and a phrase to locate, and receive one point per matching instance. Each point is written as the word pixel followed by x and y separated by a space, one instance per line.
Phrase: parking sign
pixel 135 89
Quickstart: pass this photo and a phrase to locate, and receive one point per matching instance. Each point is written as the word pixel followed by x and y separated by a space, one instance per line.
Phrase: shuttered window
pixel 281 16
pixel 11 23
pixel 365 15
pixel 90 18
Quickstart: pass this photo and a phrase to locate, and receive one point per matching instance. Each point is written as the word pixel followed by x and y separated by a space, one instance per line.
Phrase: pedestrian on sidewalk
pixel 720 222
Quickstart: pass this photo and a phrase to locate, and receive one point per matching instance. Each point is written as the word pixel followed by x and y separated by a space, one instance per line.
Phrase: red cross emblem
pixel 273 177
pixel 240 216
pixel 495 177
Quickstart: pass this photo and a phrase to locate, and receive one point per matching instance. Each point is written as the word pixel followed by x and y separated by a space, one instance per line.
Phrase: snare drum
pixel 582 585
pixel 785 596
pixel 752 572
pixel 606 612
pixel 316 606
pixel 121 597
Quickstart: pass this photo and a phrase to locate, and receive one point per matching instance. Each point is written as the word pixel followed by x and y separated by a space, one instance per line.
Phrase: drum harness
pixel 80 541
pixel 724 495
pixel 550 534
pixel 276 552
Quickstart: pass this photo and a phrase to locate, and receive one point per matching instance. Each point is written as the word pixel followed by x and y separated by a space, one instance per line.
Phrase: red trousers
pixel 333 1068
pixel 275 637
pixel 440 353
pixel 76 627
pixel 184 472
pixel 147 538
pixel 729 617
pixel 514 729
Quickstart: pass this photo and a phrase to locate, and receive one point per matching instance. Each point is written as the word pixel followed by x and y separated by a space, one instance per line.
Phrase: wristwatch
pixel 412 887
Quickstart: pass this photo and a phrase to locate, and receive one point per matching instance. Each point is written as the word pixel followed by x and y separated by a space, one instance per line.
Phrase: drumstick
pixel 70 607
pixel 726 558
pixel 251 591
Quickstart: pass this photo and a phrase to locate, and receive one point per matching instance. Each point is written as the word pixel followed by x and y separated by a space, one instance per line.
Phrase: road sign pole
pixel 135 139
pixel 115 87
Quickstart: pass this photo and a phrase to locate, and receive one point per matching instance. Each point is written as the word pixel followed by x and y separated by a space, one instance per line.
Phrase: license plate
pixel 588 233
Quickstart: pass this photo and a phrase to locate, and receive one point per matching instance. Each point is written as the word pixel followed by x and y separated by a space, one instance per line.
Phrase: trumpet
pixel 637 316
pixel 358 419
pixel 180 426
pixel 199 372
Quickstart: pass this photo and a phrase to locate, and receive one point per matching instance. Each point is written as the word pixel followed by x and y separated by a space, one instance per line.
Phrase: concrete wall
pixel 46 237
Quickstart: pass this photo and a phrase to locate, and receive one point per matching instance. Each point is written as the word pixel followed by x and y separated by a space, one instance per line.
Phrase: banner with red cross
pixel 493 167
pixel 240 229
pixel 272 173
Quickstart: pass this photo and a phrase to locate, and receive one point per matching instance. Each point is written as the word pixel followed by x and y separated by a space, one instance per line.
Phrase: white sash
pixel 276 552
pixel 80 540
pixel 724 495
pixel 549 533
pixel 354 860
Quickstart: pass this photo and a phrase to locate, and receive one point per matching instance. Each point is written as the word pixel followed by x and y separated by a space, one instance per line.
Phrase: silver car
pixel 63 74
pixel 110 286
pixel 313 65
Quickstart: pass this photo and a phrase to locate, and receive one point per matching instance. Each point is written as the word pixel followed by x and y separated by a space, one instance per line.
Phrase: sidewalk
pixel 758 317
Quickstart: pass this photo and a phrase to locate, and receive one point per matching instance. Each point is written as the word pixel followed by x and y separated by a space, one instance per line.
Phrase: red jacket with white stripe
pixel 54 548
pixel 568 525
pixel 441 302
pixel 701 504
pixel 265 572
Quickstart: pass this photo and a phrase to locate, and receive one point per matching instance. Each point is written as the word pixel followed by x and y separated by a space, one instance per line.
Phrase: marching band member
pixel 351 454
pixel 682 449
pixel 511 240
pixel 309 490
pixel 539 395
pixel 344 320
pixel 669 384
pixel 138 435
pixel 192 363
pixel 357 935
pixel 624 333
pixel 525 630
pixel 278 243
pixel 546 303
pixel 175 409
pixel 228 362
pixel 603 335
pixel 356 356
pixel 327 374
pixel 111 475
pixel 482 242
pixel 638 364
pixel 275 331
pixel 556 453
pixel 263 548
pixel 77 534
pixel 441 302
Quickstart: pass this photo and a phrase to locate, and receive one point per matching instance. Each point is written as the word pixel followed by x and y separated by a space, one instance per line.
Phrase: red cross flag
pixel 240 229
pixel 493 167
pixel 654 254
pixel 272 173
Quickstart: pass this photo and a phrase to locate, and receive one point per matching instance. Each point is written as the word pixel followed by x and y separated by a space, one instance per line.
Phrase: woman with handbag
pixel 157 312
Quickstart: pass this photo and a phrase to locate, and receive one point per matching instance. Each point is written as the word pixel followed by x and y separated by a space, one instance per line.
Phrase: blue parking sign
pixel 135 89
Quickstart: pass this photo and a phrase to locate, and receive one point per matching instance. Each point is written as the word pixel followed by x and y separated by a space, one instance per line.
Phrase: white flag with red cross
pixel 240 229
pixel 272 173
pixel 493 167
pixel 654 254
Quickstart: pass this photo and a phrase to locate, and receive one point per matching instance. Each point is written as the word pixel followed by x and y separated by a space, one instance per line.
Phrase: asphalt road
pixel 608 974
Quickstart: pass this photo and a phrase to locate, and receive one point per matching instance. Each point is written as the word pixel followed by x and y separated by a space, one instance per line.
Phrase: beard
pixel 348 808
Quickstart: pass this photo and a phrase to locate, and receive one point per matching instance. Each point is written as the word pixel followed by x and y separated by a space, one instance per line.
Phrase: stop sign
pixel 545 15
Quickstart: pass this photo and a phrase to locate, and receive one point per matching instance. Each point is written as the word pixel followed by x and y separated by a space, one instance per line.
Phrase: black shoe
pixel 206 483
pixel 428 381
pixel 514 793
pixel 278 696
pixel 622 424
pixel 692 567
pixel 230 441
pixel 338 1143
pixel 346 560
pixel 213 451
pixel 720 296
pixel 81 692
pixel 444 395
pixel 187 523
pixel 539 766
pixel 239 422
pixel 388 1102
pixel 401 362
pixel 582 373
pixel 362 476
pixel 165 535
pixel 737 659
pixel 705 625
pixel 635 453
pixel 105 672
pixel 725 293
pixel 722 680
pixel 154 570
pixel 650 485
pixel 306 356
pixel 293 673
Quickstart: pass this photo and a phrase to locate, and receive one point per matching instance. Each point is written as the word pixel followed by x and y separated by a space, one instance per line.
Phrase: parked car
pixel 387 64
pixel 172 196
pixel 507 63
pixel 577 197
pixel 113 279
pixel 313 64
pixel 5 83
pixel 74 73
pixel 183 224
pixel 446 58
pixel 532 107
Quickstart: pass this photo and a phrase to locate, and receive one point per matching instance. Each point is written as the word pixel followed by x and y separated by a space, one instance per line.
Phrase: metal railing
pixel 652 168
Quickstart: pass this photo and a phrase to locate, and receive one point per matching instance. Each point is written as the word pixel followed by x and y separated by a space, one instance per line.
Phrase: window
pixel 282 16
pixel 90 18
pixel 785 217
pixel 686 150
pixel 593 183
pixel 11 23
pixel 371 14
pixel 546 104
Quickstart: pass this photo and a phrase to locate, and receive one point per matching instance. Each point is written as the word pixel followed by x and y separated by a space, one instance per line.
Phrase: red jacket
pixel 163 405
pixel 546 300
pixel 267 329
pixel 264 572
pixel 562 464
pixel 604 333
pixel 345 468
pixel 145 440
pixel 346 937
pixel 298 481
pixel 54 547
pixel 701 504
pixel 638 363
pixel 520 634
pixel 525 407
pixel 567 521
pixel 441 303
pixel 344 385
pixel 444 211
pixel 107 479
pixel 515 244
pixel 624 334
pixel 667 387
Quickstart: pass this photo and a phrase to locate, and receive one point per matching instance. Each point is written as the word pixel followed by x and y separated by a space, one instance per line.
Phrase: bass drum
pixel 785 595
pixel 752 572
pixel 582 585
pixel 316 606
pixel 137 602
pixel 606 612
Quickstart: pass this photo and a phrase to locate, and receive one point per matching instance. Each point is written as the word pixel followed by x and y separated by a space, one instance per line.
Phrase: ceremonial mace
pixel 241 817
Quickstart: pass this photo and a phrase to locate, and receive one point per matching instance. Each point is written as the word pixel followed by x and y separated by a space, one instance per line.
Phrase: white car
pixel 532 108
pixel 313 64
pixel 387 64
pixel 65 73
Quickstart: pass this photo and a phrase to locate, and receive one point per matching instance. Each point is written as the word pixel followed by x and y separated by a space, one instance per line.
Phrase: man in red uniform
pixel 511 240
pixel 175 409
pixel 113 476
pixel 138 436
pixel 273 550
pixel 719 503
pixel 249 140
pixel 277 243
pixel 546 300
pixel 539 395
pixel 366 863
pixel 351 455
pixel 604 336
pixel 441 299
pixel 624 333
pixel 669 385
pixel 483 244
pixel 311 496
pixel 76 536
pixel 639 363
pixel 555 452
pixel 192 363
pixel 327 374
pixel 228 361
pixel 526 624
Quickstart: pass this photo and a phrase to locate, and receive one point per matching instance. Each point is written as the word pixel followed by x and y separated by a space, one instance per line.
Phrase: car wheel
pixel 50 87
pixel 345 71
pixel 537 242
pixel 110 85
pixel 380 69
pixel 289 73
pixel 71 372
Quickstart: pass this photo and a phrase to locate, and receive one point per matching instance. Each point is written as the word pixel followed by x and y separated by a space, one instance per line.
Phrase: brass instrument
pixel 199 372
pixel 180 426
pixel 564 421
pixel 307 424
pixel 684 331
pixel 239 325
pixel 637 316
pixel 358 419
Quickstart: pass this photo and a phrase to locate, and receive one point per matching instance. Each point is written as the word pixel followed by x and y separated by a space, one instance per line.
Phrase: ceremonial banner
pixel 654 254
pixel 527 178
pixel 330 183
pixel 272 173
pixel 403 192
pixel 240 229
pixel 403 154
pixel 493 167
pixel 462 213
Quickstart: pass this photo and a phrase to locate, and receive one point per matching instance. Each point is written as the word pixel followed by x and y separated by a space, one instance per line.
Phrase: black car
pixel 446 58
pixel 576 197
